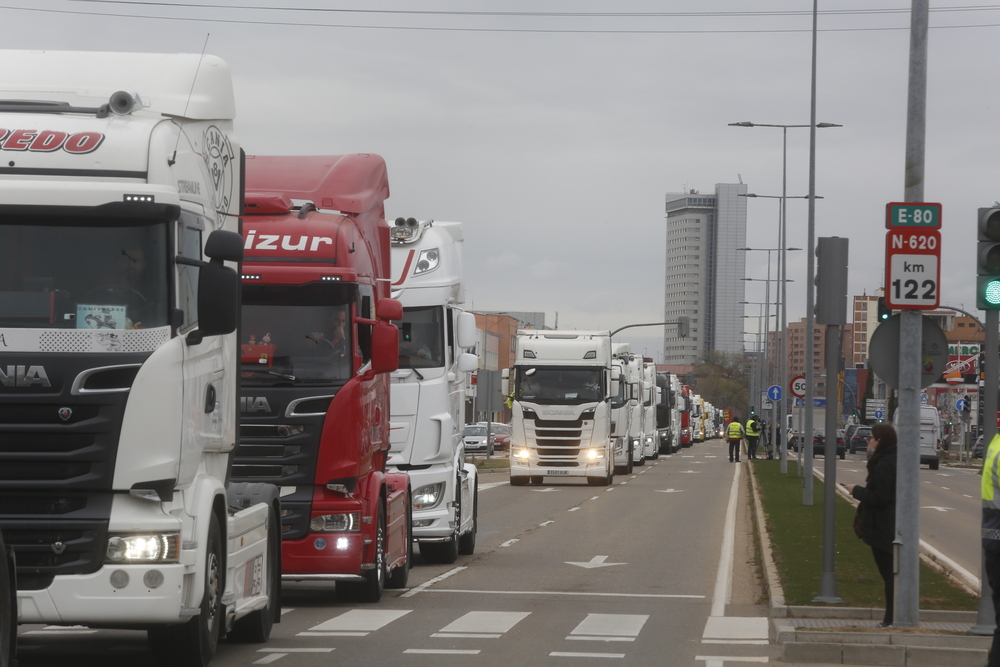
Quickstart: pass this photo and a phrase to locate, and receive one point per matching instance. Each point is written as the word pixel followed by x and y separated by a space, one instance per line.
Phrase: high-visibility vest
pixel 735 431
pixel 752 428
pixel 990 491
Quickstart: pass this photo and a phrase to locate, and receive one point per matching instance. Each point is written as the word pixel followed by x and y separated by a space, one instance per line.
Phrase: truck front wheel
pixel 194 643
pixel 467 542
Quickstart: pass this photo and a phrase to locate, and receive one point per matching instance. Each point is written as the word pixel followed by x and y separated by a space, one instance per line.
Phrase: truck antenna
pixel 173 158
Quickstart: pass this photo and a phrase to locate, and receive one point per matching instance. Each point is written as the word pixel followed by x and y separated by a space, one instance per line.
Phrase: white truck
pixel 650 439
pixel 622 403
pixel 427 394
pixel 118 354
pixel 561 406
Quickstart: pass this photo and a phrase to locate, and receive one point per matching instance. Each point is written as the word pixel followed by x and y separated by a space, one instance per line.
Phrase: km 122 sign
pixel 912 268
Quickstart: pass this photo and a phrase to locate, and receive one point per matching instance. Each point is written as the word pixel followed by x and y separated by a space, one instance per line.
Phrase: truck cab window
pixel 421 337
pixel 74 274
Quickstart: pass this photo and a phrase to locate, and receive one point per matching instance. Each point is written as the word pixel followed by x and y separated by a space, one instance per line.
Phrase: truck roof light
pixel 251 276
pixel 528 354
pixel 591 355
pixel 139 199
pixel 331 278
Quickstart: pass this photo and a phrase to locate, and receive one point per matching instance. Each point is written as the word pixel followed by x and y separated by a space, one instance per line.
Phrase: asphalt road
pixel 563 574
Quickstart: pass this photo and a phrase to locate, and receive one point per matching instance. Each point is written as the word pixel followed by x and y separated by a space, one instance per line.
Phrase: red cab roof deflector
pixel 347 183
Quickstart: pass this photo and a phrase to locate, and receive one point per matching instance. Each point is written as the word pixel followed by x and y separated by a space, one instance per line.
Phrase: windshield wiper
pixel 282 375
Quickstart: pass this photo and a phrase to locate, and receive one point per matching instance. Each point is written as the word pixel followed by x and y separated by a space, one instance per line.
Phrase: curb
pixel 846 648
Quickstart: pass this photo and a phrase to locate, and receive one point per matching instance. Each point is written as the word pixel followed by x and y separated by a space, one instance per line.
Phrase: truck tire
pixel 934 464
pixel 444 553
pixel 255 627
pixel 519 480
pixel 467 542
pixel 373 585
pixel 193 644
pixel 399 576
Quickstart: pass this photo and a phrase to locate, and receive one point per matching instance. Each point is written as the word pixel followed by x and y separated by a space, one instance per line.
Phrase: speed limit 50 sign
pixel 912 268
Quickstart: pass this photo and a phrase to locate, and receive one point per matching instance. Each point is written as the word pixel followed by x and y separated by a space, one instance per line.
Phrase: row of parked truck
pixel 218 372
pixel 586 407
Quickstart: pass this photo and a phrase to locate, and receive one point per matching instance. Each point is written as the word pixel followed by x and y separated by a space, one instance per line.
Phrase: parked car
pixel 977 449
pixel 476 440
pixel 859 441
pixel 819 443
pixel 501 434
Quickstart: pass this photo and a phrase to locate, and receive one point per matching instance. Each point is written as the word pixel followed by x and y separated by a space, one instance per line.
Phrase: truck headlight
pixel 594 454
pixel 428 496
pixel 144 548
pixel 342 522
pixel 522 454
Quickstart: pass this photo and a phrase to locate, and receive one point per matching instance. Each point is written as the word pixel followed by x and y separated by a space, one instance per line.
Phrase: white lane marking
pixel 430 582
pixel 718 660
pixel 610 488
pixel 485 622
pixel 757 642
pixel 361 620
pixel 545 490
pixel 596 561
pixel 634 476
pixel 687 456
pixel 482 487
pixel 442 651
pixel 567 654
pixel 572 509
pixel 622 483
pixel 609 627
pixel 946 488
pixel 711 456
pixel 268 659
pixel 669 490
pixel 294 650
pixel 966 495
pixel 689 471
pixel 572 594
pixel 54 630
pixel 510 542
pixel 937 507
pixel 594 497
pixel 465 635
pixel 546 523
pixel 735 629
pixel 723 580
pixel 331 634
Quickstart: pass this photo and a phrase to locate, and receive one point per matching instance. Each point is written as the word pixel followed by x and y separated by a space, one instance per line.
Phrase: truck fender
pixel 242 495
pixel 470 477
pixel 205 496
pixel 370 493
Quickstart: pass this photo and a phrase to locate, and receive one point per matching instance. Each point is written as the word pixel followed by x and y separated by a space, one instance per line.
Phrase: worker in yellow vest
pixel 753 436
pixel 991 535
pixel 734 434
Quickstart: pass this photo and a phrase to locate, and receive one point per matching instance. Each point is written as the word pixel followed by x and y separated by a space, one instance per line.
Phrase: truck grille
pixel 558 443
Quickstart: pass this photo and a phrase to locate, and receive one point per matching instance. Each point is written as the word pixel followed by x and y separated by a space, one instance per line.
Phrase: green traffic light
pixel 991 292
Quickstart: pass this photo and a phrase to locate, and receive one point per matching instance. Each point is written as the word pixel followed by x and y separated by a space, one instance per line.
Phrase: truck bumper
pixel 436 524
pixel 92 599
pixel 323 557
pixel 596 468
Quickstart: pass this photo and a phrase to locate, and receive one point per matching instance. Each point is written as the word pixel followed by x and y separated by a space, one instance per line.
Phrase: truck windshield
pixel 421 337
pixel 296 334
pixel 75 274
pixel 560 385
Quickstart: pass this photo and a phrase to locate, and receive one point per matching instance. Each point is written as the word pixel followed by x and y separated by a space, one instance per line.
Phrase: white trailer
pixel 118 352
pixel 622 404
pixel 428 391
pixel 561 406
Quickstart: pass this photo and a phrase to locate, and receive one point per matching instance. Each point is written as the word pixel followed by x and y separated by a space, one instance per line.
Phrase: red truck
pixel 317 347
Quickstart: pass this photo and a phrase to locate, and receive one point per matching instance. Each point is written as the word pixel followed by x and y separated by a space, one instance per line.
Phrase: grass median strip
pixel 796 534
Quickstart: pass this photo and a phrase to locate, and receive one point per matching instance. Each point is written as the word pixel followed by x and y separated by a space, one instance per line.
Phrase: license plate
pixel 553 473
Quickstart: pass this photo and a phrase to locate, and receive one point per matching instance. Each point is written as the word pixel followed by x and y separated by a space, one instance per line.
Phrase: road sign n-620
pixel 912 268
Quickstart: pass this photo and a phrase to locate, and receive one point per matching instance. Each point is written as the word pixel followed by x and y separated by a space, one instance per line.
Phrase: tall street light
pixel 767 377
pixel 777 413
pixel 783 242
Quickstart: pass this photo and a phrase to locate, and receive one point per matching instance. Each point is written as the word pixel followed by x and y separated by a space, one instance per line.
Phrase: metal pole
pixel 785 389
pixel 810 357
pixel 828 578
pixel 986 616
pixel 907 542
pixel 766 376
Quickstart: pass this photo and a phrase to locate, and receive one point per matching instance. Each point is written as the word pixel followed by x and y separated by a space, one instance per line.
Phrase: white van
pixel 930 434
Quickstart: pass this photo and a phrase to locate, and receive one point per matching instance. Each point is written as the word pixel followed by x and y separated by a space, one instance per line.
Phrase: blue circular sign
pixel 960 404
pixel 774 392
pixel 879 414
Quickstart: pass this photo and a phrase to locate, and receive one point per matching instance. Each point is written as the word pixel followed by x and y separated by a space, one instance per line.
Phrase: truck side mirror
pixel 218 287
pixel 385 346
pixel 466 330
pixel 467 362
pixel 389 309
pixel 615 387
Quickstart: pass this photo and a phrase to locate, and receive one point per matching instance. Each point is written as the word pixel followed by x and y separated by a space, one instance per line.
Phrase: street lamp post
pixel 782 367
pixel 783 243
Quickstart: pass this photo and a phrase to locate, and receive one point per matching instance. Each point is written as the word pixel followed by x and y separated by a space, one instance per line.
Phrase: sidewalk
pixel 848 636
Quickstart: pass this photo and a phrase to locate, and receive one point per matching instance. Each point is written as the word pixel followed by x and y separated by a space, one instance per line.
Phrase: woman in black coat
pixel 878 506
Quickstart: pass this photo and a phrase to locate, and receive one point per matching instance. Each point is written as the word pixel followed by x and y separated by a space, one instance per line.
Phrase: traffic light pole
pixel 986 615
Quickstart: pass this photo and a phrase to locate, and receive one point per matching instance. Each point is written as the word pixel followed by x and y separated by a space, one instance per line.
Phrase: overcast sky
pixel 553 128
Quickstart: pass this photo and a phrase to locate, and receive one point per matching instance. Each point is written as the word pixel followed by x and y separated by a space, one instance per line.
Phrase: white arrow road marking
pixel 937 507
pixel 669 490
pixel 596 561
